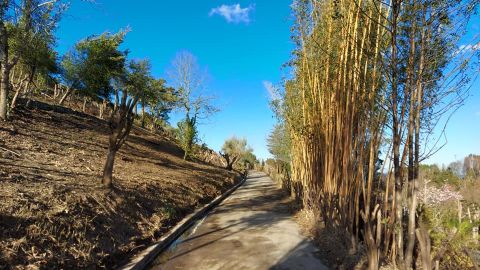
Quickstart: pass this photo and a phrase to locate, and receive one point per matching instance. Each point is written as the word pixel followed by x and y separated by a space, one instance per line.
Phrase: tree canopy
pixel 234 149
pixel 93 63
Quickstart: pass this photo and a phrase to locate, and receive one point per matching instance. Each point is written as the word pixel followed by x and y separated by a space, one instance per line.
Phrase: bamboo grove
pixel 371 79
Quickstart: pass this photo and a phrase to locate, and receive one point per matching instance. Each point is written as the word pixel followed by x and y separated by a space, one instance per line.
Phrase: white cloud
pixel 272 90
pixel 468 48
pixel 233 13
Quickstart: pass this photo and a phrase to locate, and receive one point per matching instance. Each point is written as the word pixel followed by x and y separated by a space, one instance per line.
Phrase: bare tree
pixel 189 79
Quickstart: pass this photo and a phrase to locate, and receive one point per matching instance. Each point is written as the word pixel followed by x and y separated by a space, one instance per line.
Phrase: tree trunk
pixel 120 124
pixel 372 253
pixel 108 169
pixel 460 214
pixel 4 87
pixel 14 99
pixel 411 186
pixel 5 72
pixel 143 115
pixel 397 167
pixel 69 91
pixel 55 91
pixel 425 248
pixel 115 105
pixel 155 125
pixel 26 91
pixel 29 90
pixel 103 106
pixel 84 107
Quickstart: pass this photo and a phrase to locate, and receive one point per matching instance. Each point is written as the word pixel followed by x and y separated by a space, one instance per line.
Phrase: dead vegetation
pixel 54 212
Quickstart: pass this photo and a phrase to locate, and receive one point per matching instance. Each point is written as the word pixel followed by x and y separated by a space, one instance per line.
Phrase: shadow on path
pixel 252 229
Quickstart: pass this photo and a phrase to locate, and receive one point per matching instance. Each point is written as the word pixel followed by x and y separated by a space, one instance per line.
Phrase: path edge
pixel 144 258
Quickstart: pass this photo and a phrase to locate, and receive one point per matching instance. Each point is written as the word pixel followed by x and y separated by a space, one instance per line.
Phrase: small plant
pixel 187 136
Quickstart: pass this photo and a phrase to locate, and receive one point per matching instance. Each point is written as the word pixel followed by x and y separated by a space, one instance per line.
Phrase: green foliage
pixel 152 93
pixel 235 149
pixel 161 100
pixel 170 131
pixel 187 136
pixel 31 28
pixel 278 143
pixel 248 160
pixel 169 211
pixel 35 51
pixel 449 236
pixel 94 62
pixel 138 78
pixel 470 191
pixel 440 177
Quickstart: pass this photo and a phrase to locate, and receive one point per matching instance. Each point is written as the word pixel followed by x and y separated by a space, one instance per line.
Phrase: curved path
pixel 252 229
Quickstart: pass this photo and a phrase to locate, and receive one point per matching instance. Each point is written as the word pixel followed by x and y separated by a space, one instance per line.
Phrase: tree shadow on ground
pixel 300 258
pixel 55 185
pixel 268 206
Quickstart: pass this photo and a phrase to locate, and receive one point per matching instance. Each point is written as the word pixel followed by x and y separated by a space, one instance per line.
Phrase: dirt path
pixel 252 229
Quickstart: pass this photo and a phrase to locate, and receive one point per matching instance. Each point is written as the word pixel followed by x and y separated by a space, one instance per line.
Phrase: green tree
pixel 92 63
pixel 249 160
pixel 134 82
pixel 22 23
pixel 187 135
pixel 235 149
pixel 161 102
pixel 37 59
pixel 278 143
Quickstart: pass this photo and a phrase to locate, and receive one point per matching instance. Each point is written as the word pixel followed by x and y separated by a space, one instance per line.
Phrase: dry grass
pixel 334 246
pixel 54 212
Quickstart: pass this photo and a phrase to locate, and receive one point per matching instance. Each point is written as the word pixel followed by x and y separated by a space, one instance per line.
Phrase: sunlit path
pixel 253 229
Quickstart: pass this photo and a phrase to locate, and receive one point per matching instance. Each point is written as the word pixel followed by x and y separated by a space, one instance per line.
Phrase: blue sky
pixel 241 46
pixel 462 132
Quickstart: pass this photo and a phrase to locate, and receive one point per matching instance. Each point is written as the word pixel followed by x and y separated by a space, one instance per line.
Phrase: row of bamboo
pixel 371 79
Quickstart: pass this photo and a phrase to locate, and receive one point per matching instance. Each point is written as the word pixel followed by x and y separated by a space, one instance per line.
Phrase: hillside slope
pixel 55 213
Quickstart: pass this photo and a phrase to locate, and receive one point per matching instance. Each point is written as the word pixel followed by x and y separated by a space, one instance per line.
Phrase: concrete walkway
pixel 252 229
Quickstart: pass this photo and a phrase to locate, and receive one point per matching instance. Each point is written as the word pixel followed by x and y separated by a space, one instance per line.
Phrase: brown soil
pixel 55 214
